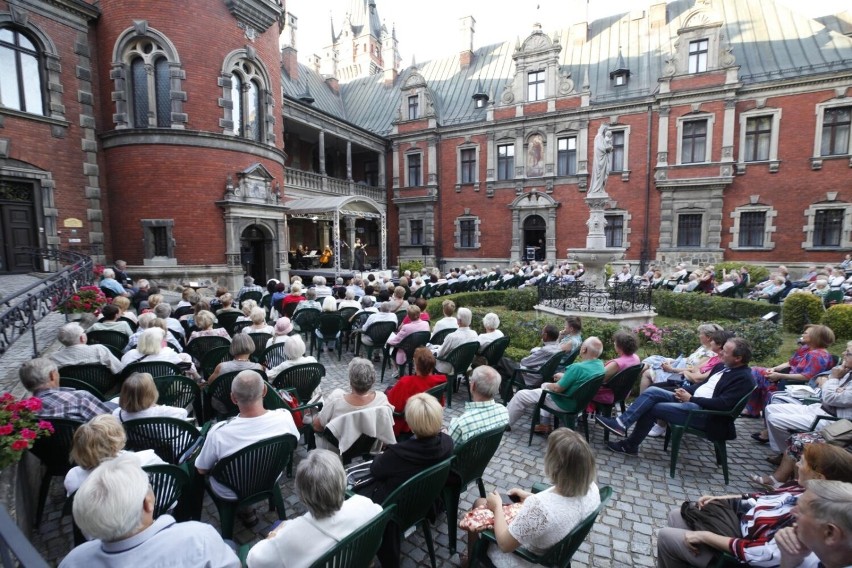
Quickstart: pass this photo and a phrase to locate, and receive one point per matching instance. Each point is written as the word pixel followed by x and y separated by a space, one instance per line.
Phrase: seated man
pixel 822 535
pixel 459 337
pixel 483 413
pixel 585 367
pixel 41 377
pixel 76 352
pixel 110 286
pixel 730 380
pixel 538 356
pixel 253 424
pixel 115 507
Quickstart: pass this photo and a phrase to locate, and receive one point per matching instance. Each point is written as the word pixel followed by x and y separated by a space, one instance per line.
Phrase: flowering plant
pixel 87 299
pixel 649 333
pixel 19 427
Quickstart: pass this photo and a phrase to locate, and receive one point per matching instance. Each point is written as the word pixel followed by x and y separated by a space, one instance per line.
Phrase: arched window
pixel 20 72
pixel 247 109
pixel 149 84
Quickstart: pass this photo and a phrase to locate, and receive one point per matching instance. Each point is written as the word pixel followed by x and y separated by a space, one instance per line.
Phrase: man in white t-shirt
pixel 253 424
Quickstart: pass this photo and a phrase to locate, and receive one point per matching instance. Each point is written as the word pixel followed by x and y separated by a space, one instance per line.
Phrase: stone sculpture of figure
pixel 601 165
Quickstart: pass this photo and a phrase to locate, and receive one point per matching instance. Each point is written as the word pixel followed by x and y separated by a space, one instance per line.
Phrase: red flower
pixel 20 445
pixel 6 430
pixel 28 434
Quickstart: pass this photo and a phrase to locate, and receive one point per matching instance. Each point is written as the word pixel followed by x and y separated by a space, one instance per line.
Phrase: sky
pixel 496 20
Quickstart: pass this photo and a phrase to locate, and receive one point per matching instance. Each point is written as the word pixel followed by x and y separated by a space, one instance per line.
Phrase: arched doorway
pixel 256 249
pixel 535 230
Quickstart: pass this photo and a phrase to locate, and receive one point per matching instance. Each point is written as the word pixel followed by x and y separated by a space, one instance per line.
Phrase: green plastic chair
pixel 199 346
pixel 460 358
pixel 414 500
pixel 560 554
pixel 252 473
pixel 675 432
pixel 493 352
pixel 180 392
pixel 213 357
pixel 303 378
pixel 154 368
pixel 77 384
pixel 329 330
pixel 228 320
pixel 546 372
pixel 407 345
pixel 54 452
pixel 378 334
pixel 107 337
pixel 471 459
pixel 98 376
pixel 169 483
pixel 170 438
pixel 578 399
pixel 438 338
pixel 621 384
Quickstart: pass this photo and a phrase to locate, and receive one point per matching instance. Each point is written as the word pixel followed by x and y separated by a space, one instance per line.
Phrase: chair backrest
pixel 154 368
pixel 581 396
pixel 273 355
pixel 252 295
pixel 462 356
pixel 473 455
pixel 255 469
pixel 622 382
pixel 54 450
pixel 180 392
pixel 560 554
pixel 438 338
pixel 414 498
pixel 330 324
pixel 99 376
pixel 213 357
pixel 201 345
pixel 170 438
pixel 493 352
pixel 220 391
pixel 304 378
pixel 380 331
pixel 260 341
pixel 227 320
pixel 107 337
pixel 359 548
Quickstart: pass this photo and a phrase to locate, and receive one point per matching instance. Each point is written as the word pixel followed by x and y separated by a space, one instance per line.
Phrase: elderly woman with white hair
pixel 490 322
pixel 321 486
pixel 153 347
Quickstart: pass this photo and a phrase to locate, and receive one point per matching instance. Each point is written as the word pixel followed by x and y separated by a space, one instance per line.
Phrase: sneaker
pixel 657 431
pixel 613 425
pixel 622 448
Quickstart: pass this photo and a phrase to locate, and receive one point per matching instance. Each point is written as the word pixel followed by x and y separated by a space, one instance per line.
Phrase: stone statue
pixel 601 164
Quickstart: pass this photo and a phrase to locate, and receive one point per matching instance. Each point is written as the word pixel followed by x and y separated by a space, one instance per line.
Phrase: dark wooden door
pixel 17 225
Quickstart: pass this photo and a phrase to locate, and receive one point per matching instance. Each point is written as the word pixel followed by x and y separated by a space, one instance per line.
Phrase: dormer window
pixel 413 107
pixel 535 86
pixel 698 55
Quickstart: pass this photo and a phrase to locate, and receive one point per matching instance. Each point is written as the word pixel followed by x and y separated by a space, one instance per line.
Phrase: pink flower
pixel 28 434
pixel 6 430
pixel 20 445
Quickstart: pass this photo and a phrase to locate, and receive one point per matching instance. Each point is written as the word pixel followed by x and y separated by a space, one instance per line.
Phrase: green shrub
pixel 688 305
pixel 839 319
pixel 756 273
pixel 799 310
pixel 412 265
pixel 764 337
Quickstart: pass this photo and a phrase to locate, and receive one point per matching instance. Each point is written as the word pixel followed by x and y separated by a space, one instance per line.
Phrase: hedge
pixel 689 305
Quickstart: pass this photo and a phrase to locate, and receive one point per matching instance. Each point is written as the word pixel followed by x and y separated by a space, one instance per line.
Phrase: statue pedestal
pixel 594 260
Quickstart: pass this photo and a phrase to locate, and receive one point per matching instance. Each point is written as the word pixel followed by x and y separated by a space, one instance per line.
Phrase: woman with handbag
pixel 744 525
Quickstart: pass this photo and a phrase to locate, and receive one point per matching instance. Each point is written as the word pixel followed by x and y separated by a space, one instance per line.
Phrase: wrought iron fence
pixel 580 297
pixel 21 312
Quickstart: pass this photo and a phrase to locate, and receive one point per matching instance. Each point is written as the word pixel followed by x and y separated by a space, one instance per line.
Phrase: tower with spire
pixel 361 46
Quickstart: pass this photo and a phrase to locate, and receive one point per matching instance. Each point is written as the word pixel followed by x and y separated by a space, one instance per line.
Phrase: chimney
pixel 287 42
pixel 466 29
pixel 657 13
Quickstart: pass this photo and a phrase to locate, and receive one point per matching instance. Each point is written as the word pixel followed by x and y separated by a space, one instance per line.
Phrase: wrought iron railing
pixel 15 549
pixel 21 312
pixel 580 297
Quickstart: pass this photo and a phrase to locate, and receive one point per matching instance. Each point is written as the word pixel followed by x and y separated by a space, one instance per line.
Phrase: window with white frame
pixel 689 229
pixel 415 227
pixel 535 86
pixel 566 156
pixel 829 225
pixel 698 55
pixel 693 141
pixel 617 157
pixel 414 169
pixel 614 230
pixel 505 161
pixel 467 232
pixel 753 226
pixel 836 124
pixel 21 62
pixel 467 159
pixel 413 107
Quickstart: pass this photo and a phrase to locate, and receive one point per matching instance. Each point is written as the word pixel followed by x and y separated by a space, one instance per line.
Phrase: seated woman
pixel 204 322
pixel 400 462
pixel 258 323
pixel 809 360
pixel 409 385
pixel 138 399
pixel 361 395
pixel 101 438
pixel 415 325
pixel 110 321
pixel 321 486
pixel 547 517
pixel 659 369
pixel 281 332
pixel 752 519
pixel 490 322
pixel 294 350
pixel 152 346
pixel 241 349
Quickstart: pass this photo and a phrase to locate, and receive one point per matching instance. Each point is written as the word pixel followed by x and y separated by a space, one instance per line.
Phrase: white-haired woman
pixel 321 486
pixel 152 346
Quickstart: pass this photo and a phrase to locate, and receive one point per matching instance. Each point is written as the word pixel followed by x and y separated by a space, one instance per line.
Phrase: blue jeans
pixel 652 405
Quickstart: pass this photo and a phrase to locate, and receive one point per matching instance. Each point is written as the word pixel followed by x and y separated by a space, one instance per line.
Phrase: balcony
pixel 299 182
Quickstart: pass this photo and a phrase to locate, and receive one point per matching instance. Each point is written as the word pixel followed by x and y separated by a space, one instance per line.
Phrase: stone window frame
pixel 476 231
pixel 819 110
pixel 148 237
pixel 774 162
pixel 461 148
pixel 846 225
pixel 708 149
pixel 123 50
pixel 769 227
pixel 625 223
pixel 232 63
pixel 49 66
pixel 408 155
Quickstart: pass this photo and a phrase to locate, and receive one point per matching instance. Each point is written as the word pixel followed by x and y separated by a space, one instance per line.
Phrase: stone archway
pixel 527 206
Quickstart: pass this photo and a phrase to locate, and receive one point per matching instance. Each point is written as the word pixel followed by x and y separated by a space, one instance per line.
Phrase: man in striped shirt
pixel 483 413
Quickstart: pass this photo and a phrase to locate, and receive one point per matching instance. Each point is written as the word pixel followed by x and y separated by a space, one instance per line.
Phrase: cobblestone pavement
pixel 623 536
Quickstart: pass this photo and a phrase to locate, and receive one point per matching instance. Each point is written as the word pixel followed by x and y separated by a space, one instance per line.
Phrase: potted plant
pixel 19 427
pixel 87 300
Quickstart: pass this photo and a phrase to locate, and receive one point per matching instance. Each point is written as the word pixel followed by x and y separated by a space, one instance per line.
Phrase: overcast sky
pixel 430 29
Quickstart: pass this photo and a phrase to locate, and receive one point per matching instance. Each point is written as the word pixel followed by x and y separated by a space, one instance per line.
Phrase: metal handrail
pixel 15 549
pixel 21 312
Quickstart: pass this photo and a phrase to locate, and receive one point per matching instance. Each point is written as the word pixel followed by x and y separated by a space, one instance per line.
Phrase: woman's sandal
pixel 765 482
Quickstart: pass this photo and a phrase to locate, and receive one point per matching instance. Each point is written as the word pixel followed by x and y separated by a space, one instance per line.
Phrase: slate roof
pixel 769 41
